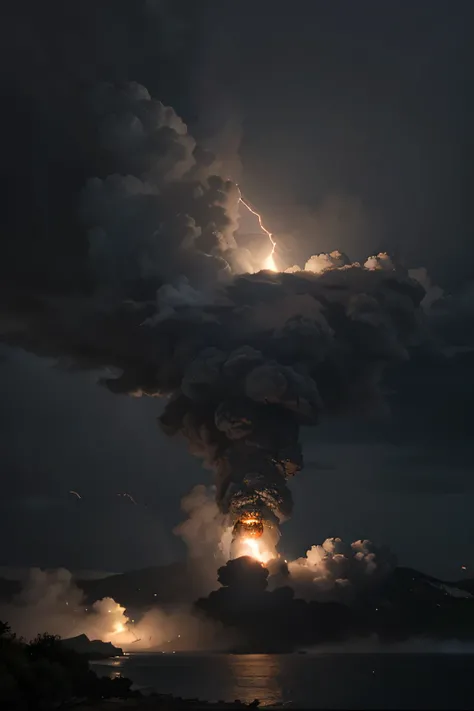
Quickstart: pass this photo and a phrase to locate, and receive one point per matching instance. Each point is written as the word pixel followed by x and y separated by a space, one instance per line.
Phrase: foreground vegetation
pixel 44 673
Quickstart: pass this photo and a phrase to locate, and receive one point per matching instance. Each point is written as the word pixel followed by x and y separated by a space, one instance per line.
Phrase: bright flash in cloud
pixel 269 262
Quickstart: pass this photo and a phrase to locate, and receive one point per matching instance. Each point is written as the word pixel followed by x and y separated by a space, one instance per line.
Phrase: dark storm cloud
pixel 246 362
pixel 165 215
pixel 242 382
pixel 169 216
pixel 53 55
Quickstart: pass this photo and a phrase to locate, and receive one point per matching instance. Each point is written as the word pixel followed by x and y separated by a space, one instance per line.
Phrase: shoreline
pixel 162 702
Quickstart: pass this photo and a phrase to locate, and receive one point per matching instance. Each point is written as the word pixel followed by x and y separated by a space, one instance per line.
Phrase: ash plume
pixel 281 350
pixel 245 356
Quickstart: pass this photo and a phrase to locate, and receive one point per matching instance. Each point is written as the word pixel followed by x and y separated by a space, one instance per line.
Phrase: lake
pixel 313 680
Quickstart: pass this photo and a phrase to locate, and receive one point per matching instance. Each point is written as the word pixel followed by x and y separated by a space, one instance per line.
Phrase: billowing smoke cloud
pixel 245 358
pixel 433 292
pixel 451 316
pixel 166 212
pixel 50 601
pixel 279 351
pixel 334 570
pixel 338 571
pixel 208 535
pixel 203 528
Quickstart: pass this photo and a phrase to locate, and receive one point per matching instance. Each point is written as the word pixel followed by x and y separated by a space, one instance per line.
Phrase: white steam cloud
pixel 339 571
pixel 51 602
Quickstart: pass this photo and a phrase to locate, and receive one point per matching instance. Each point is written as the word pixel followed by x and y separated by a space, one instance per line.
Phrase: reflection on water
pixel 256 676
pixel 360 681
pixel 210 677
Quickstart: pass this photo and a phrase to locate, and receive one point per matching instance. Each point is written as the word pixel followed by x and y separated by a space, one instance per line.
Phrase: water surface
pixel 335 681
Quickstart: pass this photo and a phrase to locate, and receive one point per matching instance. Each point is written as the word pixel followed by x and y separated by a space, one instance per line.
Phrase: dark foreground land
pixel 47 673
pixel 162 702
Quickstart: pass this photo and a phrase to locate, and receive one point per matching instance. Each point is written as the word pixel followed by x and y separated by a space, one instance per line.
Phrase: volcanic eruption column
pixel 250 359
pixel 279 350
pixel 246 358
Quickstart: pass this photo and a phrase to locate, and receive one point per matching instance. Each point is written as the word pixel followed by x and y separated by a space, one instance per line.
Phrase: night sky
pixel 348 124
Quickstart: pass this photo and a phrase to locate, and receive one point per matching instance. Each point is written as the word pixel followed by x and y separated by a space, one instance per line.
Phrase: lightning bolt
pixel 269 263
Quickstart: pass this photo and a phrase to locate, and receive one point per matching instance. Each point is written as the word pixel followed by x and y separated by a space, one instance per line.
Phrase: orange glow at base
pixel 269 262
pixel 254 549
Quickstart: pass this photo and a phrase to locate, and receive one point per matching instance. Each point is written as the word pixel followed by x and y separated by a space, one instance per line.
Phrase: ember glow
pixel 250 525
pixel 254 536
pixel 269 262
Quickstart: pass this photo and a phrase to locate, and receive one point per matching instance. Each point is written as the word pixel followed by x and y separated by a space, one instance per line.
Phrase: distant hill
pixel 412 604
pixel 186 581
pixel 467 585
pixel 409 603
pixel 164 584
pixel 92 648
pixel 407 583
pixel 182 582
